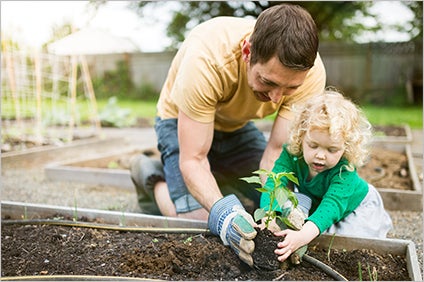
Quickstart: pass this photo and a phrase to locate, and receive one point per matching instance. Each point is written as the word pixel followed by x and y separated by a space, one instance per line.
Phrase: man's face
pixel 272 80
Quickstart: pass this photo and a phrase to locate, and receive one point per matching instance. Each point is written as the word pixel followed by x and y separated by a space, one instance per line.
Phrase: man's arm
pixel 195 140
pixel 227 217
pixel 278 136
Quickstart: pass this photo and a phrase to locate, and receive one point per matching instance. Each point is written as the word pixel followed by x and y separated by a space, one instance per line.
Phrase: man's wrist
pixel 220 211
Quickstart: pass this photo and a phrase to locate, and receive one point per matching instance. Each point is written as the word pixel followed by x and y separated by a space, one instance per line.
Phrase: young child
pixel 327 142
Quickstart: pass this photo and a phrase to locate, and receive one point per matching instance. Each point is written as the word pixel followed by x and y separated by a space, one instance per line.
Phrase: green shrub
pixel 114 116
pixel 118 83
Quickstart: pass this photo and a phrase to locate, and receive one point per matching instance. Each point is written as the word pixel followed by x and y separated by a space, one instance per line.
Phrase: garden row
pixel 70 243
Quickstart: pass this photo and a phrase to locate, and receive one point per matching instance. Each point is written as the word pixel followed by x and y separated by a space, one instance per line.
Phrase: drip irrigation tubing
pixel 59 222
pixel 72 223
pixel 325 268
pixel 74 278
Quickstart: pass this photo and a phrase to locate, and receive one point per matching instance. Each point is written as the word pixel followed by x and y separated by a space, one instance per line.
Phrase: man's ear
pixel 245 50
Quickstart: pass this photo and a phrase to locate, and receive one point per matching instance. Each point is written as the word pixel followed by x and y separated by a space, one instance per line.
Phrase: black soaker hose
pixel 74 278
pixel 101 226
pixel 325 268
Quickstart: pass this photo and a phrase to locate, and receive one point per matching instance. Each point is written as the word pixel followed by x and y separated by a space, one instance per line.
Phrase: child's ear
pixel 245 50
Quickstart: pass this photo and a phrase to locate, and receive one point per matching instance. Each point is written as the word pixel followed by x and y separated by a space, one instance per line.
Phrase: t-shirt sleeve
pixel 197 87
pixel 314 84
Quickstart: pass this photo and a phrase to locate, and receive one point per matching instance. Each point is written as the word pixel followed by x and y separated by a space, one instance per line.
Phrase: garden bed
pixel 381 133
pixel 392 133
pixel 390 169
pixel 188 253
pixel 42 155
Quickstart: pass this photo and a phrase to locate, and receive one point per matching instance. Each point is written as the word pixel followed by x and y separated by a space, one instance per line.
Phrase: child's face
pixel 320 151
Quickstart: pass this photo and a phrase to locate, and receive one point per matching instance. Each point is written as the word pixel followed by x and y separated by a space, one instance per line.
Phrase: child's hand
pixel 289 245
pixel 294 240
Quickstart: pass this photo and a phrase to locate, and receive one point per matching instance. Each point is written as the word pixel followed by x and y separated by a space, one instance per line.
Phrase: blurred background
pixel 72 64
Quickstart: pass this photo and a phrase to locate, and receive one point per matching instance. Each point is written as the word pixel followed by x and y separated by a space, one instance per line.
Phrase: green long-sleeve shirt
pixel 335 193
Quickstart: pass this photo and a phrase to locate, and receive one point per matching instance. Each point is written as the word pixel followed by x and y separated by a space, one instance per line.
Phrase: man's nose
pixel 275 95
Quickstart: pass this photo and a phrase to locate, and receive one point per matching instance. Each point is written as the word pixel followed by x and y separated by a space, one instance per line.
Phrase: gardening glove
pixel 229 220
pixel 297 215
pixel 297 218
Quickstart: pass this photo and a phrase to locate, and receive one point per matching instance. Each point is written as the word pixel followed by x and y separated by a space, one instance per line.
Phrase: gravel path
pixel 29 185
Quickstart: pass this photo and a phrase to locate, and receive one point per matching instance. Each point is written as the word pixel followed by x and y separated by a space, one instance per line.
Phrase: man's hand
pixel 229 220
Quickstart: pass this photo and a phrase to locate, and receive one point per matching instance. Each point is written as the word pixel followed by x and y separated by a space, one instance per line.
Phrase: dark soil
pixel 265 244
pixel 387 169
pixel 59 250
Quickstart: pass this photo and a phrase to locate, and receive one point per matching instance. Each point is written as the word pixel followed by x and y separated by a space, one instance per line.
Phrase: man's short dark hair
pixel 287 31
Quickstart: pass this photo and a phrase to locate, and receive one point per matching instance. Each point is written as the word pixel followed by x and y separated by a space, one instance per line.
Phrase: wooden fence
pixel 374 72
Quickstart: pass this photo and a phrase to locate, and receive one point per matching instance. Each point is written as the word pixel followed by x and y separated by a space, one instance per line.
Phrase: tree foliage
pixel 334 19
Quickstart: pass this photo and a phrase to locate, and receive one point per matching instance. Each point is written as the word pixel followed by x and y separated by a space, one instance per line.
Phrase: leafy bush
pixel 118 83
pixel 114 116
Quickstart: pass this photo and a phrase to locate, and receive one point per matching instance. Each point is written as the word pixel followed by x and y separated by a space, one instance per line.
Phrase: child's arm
pixel 293 240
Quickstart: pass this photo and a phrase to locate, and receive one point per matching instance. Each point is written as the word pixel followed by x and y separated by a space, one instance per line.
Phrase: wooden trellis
pixel 38 88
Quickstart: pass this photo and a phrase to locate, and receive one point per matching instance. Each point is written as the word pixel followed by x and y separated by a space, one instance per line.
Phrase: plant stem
pixel 75 216
pixel 330 246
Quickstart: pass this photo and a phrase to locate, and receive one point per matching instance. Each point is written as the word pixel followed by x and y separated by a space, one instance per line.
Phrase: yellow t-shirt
pixel 207 79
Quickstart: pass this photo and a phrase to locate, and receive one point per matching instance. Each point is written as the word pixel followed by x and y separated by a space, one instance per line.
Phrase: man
pixel 226 73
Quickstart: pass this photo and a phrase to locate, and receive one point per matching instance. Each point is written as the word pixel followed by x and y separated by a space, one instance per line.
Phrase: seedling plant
pixel 278 192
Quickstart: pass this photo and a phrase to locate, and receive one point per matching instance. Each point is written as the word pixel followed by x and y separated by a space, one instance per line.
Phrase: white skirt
pixel 368 220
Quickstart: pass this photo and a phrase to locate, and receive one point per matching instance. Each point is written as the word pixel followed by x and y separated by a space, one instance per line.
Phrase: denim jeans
pixel 232 155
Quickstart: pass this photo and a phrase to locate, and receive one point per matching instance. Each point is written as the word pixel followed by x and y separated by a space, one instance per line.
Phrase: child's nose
pixel 320 154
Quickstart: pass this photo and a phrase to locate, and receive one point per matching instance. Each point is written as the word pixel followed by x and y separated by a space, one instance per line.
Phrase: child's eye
pixel 333 150
pixel 312 146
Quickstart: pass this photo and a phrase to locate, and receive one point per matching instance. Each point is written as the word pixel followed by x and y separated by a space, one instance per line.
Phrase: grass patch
pixel 380 115
pixel 377 115
pixel 138 108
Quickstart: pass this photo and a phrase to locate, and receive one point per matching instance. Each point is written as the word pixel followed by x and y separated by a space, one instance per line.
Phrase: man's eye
pixel 268 83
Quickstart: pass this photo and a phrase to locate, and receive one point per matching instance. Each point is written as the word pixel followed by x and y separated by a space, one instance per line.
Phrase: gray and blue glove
pixel 304 203
pixel 229 220
pixel 297 218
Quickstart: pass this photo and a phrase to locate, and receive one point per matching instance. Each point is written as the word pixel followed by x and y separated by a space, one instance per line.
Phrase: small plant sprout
pixel 279 192
pixel 188 240
pixel 330 246
pixel 122 220
pixel 25 215
pixel 75 211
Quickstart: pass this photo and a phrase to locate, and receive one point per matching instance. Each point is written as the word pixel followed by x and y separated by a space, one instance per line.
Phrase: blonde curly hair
pixel 342 118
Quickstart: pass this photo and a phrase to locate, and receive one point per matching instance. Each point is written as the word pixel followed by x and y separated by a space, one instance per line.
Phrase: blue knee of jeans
pixel 167 133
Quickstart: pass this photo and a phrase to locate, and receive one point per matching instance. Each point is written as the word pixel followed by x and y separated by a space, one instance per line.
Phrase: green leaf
pixel 281 196
pixel 292 178
pixel 252 179
pixel 262 190
pixel 293 198
pixel 259 214
pixel 288 223
pixel 112 164
pixel 261 171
